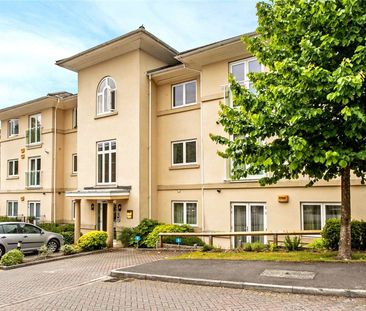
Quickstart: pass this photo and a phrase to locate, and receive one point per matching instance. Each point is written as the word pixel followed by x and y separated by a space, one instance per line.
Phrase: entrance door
pixel 248 217
pixel 102 216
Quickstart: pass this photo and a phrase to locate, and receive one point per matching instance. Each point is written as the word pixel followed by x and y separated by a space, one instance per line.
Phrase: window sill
pixel 105 115
pixel 13 136
pixel 34 146
pixel 12 177
pixel 74 174
pixel 184 167
pixel 33 187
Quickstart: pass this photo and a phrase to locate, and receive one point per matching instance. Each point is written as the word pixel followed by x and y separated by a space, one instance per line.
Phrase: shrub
pixel 68 237
pixel 331 233
pixel 188 240
pixel 272 247
pixel 317 244
pixel 93 240
pixel 207 248
pixel 12 258
pixel 153 237
pixel 44 251
pixel 126 236
pixel 8 219
pixel 292 244
pixel 57 228
pixel 247 247
pixel 69 249
pixel 258 247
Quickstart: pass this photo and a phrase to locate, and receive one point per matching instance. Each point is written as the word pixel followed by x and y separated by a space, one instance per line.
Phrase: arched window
pixel 106 96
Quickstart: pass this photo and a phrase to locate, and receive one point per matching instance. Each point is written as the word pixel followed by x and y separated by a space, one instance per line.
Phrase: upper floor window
pixel 33 176
pixel 106 96
pixel 184 152
pixel 184 94
pixel 34 131
pixel 74 163
pixel 13 127
pixel 74 117
pixel 240 70
pixel 106 153
pixel 13 168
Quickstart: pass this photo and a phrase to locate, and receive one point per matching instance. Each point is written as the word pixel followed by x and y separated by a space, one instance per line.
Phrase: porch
pixel 108 198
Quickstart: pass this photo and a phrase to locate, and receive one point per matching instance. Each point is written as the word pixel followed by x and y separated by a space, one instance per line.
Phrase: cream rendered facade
pixel 149 132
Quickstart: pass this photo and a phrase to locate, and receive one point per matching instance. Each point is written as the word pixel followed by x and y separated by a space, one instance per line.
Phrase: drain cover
pixel 290 274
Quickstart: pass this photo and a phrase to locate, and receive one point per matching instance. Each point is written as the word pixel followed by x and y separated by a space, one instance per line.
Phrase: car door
pixel 32 237
pixel 10 236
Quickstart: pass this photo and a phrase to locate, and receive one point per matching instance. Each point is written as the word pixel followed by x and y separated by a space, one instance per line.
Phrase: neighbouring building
pixel 134 143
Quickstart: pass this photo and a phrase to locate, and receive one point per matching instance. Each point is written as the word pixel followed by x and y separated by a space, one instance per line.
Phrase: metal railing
pixel 33 179
pixel 211 235
pixel 33 135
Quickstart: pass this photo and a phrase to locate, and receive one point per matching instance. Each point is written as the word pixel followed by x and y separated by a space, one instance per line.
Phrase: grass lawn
pixel 296 256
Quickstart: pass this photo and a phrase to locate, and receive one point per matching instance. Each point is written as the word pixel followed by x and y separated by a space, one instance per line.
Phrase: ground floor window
pixel 12 209
pixel 315 215
pixel 34 209
pixel 248 217
pixel 184 213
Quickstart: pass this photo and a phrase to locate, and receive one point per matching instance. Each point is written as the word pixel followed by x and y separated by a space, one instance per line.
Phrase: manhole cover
pixel 290 274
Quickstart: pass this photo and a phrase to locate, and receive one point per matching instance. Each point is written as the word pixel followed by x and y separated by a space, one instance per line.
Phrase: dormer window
pixel 106 96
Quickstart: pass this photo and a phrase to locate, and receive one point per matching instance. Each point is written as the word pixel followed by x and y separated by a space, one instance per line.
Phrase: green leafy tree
pixel 307 116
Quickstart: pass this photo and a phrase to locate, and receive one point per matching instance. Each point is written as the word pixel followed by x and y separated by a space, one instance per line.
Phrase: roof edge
pixel 141 29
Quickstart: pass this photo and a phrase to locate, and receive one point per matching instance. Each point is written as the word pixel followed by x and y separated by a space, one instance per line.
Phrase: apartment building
pixel 142 147
pixel 38 140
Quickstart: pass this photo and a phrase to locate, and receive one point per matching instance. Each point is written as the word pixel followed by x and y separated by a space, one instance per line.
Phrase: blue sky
pixel 34 34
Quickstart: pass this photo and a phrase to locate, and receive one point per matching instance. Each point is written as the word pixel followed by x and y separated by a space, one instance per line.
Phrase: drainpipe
pixel 149 149
pixel 202 155
pixel 54 159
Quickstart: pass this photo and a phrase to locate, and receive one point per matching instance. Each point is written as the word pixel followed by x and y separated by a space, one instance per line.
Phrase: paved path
pixel 83 284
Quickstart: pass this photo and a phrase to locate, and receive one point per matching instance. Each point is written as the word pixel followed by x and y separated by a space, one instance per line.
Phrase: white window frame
pixel 322 211
pixel 101 110
pixel 38 119
pixel 185 213
pixel 248 219
pixel 13 175
pixel 73 156
pixel 38 169
pixel 11 127
pixel 12 202
pixel 246 82
pixel 184 94
pixel 103 152
pixel 36 204
pixel 184 142
pixel 74 117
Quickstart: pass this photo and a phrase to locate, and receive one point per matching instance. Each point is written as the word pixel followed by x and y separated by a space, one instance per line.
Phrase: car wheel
pixel 2 251
pixel 53 245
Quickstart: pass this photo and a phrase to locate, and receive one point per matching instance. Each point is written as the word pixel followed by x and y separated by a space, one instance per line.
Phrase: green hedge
pixel 189 240
pixel 57 228
pixel 12 258
pixel 331 234
pixel 8 219
pixel 93 240
pixel 154 235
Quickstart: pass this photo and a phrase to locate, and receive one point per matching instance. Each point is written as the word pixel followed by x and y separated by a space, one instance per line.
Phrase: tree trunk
pixel 344 252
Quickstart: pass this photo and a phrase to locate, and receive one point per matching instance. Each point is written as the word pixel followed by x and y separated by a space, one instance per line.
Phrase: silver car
pixel 29 237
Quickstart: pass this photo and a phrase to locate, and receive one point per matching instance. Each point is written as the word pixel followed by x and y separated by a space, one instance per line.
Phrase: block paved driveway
pixel 83 284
